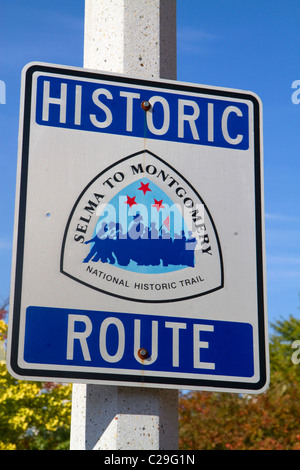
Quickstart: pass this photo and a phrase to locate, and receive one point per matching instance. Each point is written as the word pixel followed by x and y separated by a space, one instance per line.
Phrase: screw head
pixel 146 105
pixel 143 353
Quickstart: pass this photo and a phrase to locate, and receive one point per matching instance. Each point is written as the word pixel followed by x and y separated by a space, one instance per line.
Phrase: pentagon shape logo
pixel 139 231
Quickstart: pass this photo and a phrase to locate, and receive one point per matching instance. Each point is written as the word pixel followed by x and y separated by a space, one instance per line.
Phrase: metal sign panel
pixel 139 236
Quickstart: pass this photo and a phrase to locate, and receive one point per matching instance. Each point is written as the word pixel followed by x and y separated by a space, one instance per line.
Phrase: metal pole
pixel 138 38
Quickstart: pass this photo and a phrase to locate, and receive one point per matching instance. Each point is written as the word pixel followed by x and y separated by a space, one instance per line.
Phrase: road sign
pixel 139 234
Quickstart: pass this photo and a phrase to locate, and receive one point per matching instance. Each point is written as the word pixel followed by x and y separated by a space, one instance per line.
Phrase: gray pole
pixel 138 38
pixel 134 37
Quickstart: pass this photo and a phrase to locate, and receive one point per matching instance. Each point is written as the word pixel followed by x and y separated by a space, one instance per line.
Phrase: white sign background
pixel 55 166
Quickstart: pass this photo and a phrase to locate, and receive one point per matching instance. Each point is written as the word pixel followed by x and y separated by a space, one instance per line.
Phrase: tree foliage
pixel 33 415
pixel 269 421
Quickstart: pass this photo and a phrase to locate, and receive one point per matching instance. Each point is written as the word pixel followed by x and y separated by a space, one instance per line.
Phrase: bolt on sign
pixel 139 235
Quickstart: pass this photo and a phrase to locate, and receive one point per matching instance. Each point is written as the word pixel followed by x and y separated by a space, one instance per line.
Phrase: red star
pixel 130 201
pixel 158 204
pixel 144 187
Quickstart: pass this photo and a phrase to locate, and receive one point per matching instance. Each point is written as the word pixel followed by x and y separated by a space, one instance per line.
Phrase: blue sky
pixel 250 45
